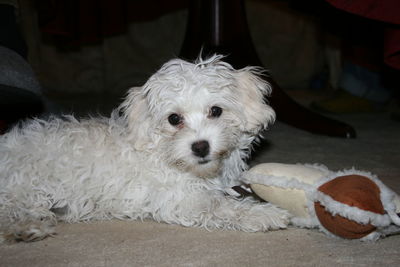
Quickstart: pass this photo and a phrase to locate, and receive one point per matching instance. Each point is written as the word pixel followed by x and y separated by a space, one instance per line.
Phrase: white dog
pixel 170 152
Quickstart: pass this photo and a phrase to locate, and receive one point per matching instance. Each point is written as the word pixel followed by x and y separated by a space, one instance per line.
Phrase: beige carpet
pixel 119 243
pixel 152 244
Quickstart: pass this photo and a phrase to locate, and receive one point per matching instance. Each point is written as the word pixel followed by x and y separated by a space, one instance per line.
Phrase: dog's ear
pixel 135 111
pixel 253 91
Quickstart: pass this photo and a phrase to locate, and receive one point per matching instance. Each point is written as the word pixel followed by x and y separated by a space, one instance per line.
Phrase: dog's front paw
pixel 250 216
pixel 28 232
pixel 264 217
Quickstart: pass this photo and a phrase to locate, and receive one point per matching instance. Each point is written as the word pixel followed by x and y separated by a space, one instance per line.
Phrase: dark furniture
pixel 220 26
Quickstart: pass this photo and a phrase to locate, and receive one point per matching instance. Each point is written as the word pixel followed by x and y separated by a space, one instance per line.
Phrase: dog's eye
pixel 174 119
pixel 215 112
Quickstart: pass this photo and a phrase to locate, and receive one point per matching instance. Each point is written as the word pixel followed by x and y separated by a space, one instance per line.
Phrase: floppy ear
pixel 253 91
pixel 138 119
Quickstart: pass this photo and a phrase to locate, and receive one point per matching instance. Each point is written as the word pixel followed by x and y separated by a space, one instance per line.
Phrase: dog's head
pixel 195 115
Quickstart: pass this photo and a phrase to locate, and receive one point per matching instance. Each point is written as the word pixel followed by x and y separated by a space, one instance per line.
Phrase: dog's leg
pixel 247 215
pixel 20 223
pixel 216 211
pixel 28 231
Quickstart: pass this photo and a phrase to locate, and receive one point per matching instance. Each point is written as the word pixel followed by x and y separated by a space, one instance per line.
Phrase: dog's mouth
pixel 221 155
pixel 202 167
pixel 203 161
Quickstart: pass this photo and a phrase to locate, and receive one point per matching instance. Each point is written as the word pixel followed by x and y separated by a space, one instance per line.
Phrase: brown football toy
pixel 349 204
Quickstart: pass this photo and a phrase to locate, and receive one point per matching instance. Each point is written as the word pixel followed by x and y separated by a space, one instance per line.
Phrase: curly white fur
pixel 137 164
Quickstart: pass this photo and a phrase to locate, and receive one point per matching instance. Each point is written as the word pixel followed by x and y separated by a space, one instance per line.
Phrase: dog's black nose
pixel 201 148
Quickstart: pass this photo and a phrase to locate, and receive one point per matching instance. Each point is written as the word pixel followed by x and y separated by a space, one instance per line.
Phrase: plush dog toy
pixel 350 204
